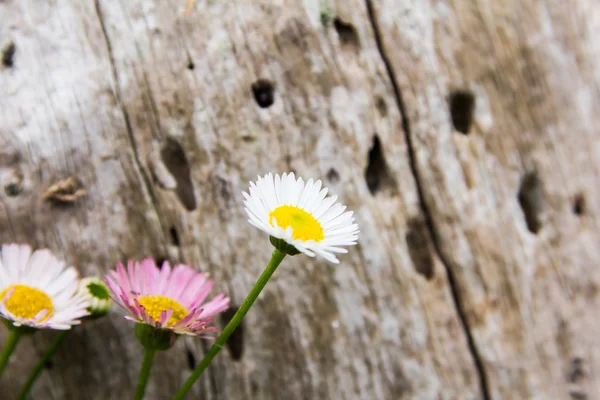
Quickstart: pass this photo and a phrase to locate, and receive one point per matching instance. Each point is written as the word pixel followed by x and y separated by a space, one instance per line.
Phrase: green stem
pixel 276 259
pixel 14 335
pixel 37 370
pixel 144 374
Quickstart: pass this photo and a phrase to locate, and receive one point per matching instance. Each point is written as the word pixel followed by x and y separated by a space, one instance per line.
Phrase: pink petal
pixel 218 304
pixel 180 277
pixel 133 278
pixel 195 314
pixel 165 273
pixel 165 316
pixel 150 276
pixel 8 294
pixel 196 291
pixel 123 278
pixel 40 315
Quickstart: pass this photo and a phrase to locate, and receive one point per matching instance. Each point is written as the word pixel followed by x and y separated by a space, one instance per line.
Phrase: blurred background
pixel 463 133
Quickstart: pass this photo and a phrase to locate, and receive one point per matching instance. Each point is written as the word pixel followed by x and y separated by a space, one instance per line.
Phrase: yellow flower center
pixel 304 225
pixel 27 302
pixel 155 305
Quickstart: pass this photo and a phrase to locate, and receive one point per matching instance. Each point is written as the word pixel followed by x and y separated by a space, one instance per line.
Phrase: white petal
pixel 324 206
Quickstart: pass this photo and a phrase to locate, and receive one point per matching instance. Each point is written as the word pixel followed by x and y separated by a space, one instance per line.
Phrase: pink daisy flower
pixel 166 298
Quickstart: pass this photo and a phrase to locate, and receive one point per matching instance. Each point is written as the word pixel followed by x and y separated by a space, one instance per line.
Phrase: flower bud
pixel 99 299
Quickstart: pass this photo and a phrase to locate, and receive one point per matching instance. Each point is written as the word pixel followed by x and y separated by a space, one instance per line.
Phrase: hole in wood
pixel 191 65
pixel 579 205
pixel 235 343
pixel 577 372
pixel 377 174
pixel 462 107
pixel 418 247
pixel 174 236
pixel 12 189
pixel 381 107
pixel 254 388
pixel 264 93
pixel 191 359
pixel 333 176
pixel 222 188
pixel 8 54
pixel 531 200
pixel 347 33
pixel 176 162
pixel 578 394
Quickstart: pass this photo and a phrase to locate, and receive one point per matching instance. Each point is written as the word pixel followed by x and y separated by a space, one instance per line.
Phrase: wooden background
pixel 464 134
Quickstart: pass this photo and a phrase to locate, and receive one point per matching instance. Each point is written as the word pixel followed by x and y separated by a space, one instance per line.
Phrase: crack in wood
pixel 483 384
pixel 118 95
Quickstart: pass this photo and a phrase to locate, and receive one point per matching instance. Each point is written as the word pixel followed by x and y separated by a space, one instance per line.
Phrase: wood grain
pixel 462 133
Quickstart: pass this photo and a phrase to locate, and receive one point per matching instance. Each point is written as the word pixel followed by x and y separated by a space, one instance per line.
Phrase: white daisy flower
pixel 36 290
pixel 300 214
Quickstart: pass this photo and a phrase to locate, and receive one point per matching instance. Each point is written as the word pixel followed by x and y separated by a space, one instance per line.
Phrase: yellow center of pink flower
pixel 304 226
pixel 155 305
pixel 27 302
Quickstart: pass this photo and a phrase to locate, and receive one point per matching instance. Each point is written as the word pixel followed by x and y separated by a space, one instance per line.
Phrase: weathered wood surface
pixel 476 274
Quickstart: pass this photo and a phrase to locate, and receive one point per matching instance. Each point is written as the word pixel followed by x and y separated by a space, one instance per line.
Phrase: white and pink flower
pixel 37 290
pixel 166 298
